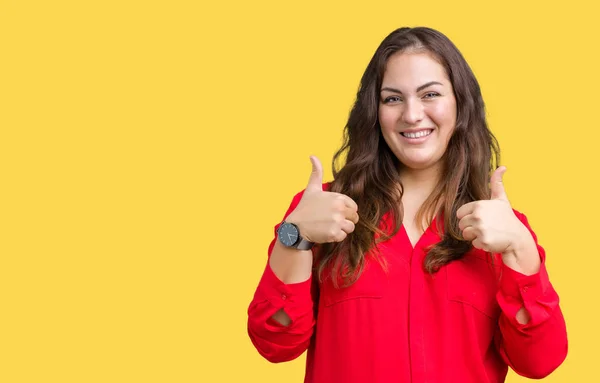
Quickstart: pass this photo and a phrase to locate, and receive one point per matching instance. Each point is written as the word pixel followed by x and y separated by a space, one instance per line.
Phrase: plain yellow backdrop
pixel 149 147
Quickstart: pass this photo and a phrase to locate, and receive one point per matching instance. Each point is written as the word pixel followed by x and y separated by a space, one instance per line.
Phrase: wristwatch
pixel 289 235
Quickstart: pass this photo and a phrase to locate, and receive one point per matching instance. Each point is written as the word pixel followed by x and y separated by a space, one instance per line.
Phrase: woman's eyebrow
pixel 420 88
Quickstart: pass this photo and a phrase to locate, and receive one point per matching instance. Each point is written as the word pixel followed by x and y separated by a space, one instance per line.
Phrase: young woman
pixel 411 265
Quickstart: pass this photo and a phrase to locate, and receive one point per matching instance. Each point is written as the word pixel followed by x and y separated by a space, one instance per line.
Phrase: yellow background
pixel 148 148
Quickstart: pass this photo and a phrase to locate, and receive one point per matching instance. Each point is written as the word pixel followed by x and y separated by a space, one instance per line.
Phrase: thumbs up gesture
pixel 491 225
pixel 323 216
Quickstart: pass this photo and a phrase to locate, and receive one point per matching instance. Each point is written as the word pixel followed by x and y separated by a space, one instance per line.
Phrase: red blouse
pixel 406 325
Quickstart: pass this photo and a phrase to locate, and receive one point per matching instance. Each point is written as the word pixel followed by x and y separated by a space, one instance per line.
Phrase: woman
pixel 411 265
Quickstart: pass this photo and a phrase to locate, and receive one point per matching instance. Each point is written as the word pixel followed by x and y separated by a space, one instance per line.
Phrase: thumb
pixel 315 182
pixel 496 185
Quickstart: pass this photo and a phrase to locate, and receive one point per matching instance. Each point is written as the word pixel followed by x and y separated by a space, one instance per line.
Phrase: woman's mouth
pixel 417 134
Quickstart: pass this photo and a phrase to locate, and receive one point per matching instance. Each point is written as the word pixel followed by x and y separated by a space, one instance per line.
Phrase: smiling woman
pixel 417 115
pixel 418 109
pixel 411 265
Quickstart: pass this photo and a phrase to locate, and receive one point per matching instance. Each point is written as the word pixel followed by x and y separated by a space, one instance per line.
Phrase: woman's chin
pixel 421 163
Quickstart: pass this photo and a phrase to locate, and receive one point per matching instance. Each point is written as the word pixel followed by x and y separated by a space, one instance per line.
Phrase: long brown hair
pixel 370 173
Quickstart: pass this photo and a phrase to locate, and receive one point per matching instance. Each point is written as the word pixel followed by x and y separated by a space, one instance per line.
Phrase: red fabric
pixel 405 325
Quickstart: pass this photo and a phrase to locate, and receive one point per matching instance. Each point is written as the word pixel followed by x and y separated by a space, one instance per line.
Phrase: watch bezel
pixel 289 224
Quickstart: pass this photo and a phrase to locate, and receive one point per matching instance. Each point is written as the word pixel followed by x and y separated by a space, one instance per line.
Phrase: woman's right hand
pixel 323 216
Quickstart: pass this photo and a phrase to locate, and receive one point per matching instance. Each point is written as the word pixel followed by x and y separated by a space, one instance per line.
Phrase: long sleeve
pixel 275 342
pixel 536 348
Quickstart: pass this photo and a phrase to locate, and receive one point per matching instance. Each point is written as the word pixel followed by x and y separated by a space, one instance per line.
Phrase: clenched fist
pixel 323 216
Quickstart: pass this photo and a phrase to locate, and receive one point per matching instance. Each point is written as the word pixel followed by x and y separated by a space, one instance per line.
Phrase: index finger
pixel 350 203
pixel 465 210
pixel 351 215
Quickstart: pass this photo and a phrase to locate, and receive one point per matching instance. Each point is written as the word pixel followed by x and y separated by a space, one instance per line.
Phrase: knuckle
pixel 484 240
pixel 339 204
pixel 338 219
pixel 467 233
pixel 352 203
pixel 332 233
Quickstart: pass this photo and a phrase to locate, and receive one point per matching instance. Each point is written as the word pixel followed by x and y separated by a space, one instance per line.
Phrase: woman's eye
pixel 431 95
pixel 391 99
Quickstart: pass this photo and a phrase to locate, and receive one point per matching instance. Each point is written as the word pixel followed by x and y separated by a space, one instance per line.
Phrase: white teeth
pixel 422 133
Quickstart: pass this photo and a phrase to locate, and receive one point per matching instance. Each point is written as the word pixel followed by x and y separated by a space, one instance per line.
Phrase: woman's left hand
pixel 491 225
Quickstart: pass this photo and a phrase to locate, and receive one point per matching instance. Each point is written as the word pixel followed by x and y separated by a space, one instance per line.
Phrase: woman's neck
pixel 420 181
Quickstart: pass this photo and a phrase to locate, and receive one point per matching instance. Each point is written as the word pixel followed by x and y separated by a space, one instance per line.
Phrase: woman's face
pixel 417 109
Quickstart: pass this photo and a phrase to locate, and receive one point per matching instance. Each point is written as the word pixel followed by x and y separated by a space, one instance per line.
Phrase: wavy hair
pixel 369 171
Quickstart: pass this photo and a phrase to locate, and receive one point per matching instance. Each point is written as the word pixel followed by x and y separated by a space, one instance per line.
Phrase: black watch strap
pixel 303 244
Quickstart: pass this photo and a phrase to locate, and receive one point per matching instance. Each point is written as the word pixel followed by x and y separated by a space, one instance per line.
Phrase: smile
pixel 419 134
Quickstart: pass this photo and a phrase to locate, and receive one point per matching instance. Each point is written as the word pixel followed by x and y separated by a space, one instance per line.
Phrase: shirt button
pixel 283 296
pixel 525 288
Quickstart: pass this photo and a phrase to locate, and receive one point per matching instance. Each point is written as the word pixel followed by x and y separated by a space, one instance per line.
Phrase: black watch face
pixel 288 234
